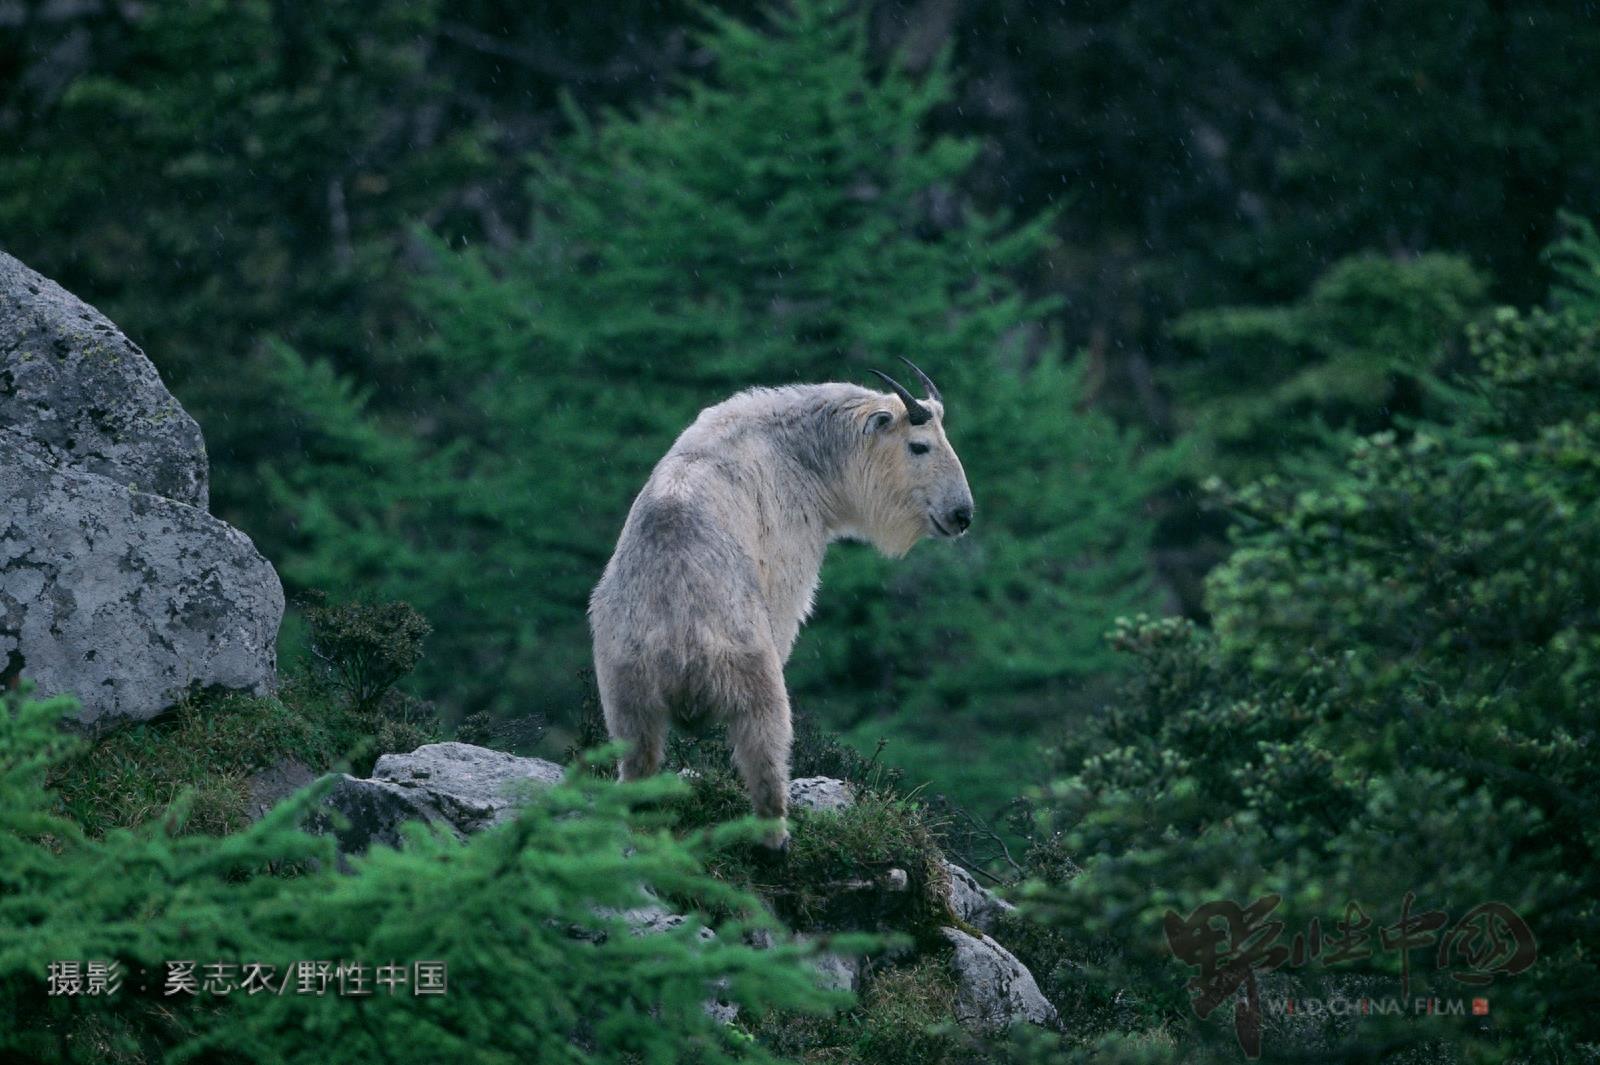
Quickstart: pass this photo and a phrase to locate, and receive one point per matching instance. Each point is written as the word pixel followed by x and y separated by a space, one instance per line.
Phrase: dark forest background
pixel 1304 291
pixel 339 230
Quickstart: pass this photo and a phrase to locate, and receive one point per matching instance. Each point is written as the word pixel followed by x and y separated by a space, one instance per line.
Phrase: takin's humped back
pixel 717 564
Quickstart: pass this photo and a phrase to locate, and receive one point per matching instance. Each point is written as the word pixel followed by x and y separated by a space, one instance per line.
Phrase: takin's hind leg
pixel 643 759
pixel 642 725
pixel 761 732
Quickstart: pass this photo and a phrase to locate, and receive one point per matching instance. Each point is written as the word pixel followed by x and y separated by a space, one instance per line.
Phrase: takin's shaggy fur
pixel 717 564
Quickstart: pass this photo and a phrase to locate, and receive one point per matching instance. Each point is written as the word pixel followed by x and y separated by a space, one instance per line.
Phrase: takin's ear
pixel 877 422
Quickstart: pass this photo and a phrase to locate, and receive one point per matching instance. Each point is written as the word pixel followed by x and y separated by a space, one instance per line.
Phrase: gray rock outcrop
pixel 974 903
pixel 116 586
pixel 820 793
pixel 993 989
pixel 471 787
pixel 370 812
pixel 459 788
pixel 835 972
pixel 456 787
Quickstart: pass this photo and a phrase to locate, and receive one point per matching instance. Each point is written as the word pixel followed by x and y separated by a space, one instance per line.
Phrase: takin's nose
pixel 960 518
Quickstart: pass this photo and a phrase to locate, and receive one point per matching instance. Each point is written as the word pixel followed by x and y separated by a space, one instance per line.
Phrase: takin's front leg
pixel 761 733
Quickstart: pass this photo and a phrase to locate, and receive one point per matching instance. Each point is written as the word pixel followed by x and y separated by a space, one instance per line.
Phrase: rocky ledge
pixel 460 788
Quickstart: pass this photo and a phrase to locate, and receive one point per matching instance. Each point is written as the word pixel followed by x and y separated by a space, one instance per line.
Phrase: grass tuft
pixel 904 1017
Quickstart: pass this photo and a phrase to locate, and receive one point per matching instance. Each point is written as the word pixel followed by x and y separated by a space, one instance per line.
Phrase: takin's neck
pixel 817 439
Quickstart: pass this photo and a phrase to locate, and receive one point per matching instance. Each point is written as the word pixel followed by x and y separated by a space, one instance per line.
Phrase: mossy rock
pixel 204 750
pixel 874 865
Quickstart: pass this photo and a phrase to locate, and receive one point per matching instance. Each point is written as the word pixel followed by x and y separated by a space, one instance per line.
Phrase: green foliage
pixel 875 834
pixel 516 734
pixel 904 1019
pixel 1398 696
pixel 1267 382
pixel 1228 154
pixel 359 651
pixel 1423 120
pixel 820 753
pixel 1084 977
pixel 907 1018
pixel 768 224
pixel 1575 259
pixel 833 879
pixel 537 970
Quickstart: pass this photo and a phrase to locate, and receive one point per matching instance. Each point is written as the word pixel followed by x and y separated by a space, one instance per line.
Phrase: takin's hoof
pixel 775 847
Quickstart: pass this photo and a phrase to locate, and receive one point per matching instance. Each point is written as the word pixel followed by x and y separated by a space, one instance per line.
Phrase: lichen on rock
pixel 126 600
pixel 74 384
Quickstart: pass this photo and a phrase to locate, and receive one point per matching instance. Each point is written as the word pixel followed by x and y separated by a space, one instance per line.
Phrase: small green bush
pixel 366 647
pixel 828 849
pixel 905 1017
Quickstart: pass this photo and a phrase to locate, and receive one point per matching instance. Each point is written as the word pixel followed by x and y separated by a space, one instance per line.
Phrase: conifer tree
pixel 231 170
pixel 1397 697
pixel 1270 383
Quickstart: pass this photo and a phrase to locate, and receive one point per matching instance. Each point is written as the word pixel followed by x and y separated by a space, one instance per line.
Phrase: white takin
pixel 717 565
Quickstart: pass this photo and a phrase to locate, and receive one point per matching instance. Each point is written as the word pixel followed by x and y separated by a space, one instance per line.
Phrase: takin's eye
pixel 918 447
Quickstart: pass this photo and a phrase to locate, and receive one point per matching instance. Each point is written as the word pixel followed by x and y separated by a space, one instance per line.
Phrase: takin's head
pixel 913 484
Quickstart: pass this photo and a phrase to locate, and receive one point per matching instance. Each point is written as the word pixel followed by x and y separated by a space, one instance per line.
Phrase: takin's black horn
pixel 916 413
pixel 927 383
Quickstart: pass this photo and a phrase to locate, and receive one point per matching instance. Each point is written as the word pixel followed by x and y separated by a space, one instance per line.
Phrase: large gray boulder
pixel 72 383
pixel 125 599
pixel 993 989
pixel 116 586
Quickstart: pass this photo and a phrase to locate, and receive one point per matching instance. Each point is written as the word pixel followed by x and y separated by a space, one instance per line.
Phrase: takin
pixel 716 568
